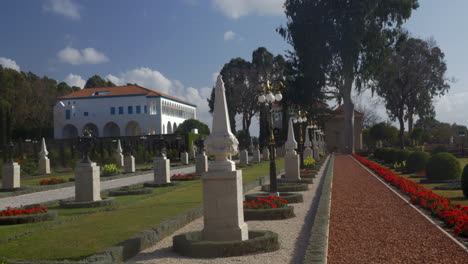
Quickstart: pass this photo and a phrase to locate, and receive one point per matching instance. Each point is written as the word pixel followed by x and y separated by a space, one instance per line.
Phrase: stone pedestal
pixel 244 157
pixel 10 175
pixel 201 163
pixel 119 160
pixel 266 154
pixel 291 167
pixel 308 153
pixel 162 170
pixel 316 153
pixel 44 165
pixel 223 218
pixel 184 158
pixel 256 155
pixel 87 182
pixel 129 164
pixel 192 154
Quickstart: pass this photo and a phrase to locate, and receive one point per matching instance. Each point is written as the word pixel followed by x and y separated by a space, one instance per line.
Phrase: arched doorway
pixel 92 128
pixel 169 127
pixel 111 129
pixel 174 127
pixel 69 131
pixel 132 129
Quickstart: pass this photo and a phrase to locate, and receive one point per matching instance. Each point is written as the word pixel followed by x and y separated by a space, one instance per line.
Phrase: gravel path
pixel 68 192
pixel 293 236
pixel 371 224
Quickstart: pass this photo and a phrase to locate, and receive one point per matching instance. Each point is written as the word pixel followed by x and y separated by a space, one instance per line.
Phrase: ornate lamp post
pixel 270 94
pixel 300 118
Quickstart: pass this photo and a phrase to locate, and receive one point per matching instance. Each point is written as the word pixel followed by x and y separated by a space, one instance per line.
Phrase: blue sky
pixel 177 46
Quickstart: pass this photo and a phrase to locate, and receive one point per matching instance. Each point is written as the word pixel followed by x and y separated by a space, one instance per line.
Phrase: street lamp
pixel 300 118
pixel 270 94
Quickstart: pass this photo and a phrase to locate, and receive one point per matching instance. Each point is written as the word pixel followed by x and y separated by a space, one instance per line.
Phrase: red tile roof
pixel 120 91
pixel 339 112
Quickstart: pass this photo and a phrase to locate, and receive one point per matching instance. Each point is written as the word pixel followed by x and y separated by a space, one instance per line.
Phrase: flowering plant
pixel 266 203
pixel 52 181
pixel 307 171
pixel 180 176
pixel 24 211
pixel 454 215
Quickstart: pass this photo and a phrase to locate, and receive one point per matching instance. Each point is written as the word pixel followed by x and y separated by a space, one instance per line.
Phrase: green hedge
pixel 288 187
pixel 290 197
pixel 443 166
pixel 464 181
pixel 26 219
pixel 417 161
pixel 269 214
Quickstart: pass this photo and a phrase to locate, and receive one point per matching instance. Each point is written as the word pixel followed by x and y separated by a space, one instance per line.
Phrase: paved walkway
pixel 69 192
pixel 371 224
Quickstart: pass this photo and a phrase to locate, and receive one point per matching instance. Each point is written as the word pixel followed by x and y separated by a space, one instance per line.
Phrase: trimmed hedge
pixel 290 197
pixel 464 181
pixel 269 214
pixel 288 187
pixel 443 166
pixel 158 185
pixel 191 245
pixel 130 191
pixel 417 161
pixel 26 219
pixel 72 204
pixel 305 180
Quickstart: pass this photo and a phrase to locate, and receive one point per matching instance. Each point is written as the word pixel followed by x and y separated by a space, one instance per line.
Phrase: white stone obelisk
pixel 129 163
pixel 162 169
pixel 222 184
pixel 44 162
pixel 244 157
pixel 256 155
pixel 308 151
pixel 291 159
pixel 266 153
pixel 201 163
pixel 315 145
pixel 10 175
pixel 119 158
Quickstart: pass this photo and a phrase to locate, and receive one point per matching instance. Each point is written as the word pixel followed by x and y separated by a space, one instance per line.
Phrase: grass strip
pixel 95 232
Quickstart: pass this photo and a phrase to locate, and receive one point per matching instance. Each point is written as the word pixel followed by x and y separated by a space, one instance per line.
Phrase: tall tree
pixel 410 78
pixel 341 43
pixel 96 81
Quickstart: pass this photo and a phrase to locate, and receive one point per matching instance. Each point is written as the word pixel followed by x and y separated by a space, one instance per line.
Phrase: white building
pixel 119 111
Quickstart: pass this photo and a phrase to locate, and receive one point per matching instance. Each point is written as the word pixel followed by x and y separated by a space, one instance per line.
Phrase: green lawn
pixel 94 230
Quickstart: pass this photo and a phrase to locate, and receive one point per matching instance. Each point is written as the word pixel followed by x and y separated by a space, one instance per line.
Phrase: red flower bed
pixel 23 211
pixel 307 171
pixel 52 181
pixel 266 203
pixel 454 215
pixel 183 177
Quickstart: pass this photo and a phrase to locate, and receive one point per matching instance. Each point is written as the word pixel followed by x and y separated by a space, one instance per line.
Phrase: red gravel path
pixel 371 224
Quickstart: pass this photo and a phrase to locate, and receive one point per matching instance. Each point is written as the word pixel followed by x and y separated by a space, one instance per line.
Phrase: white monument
pixel 291 159
pixel 201 163
pixel 162 169
pixel 256 155
pixel 184 158
pixel 129 163
pixel 307 144
pixel 10 175
pixel 44 162
pixel 119 158
pixel 315 144
pixel 222 184
pixel 244 157
pixel 87 182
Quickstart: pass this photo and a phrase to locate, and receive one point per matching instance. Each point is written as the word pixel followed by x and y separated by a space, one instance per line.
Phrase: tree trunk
pixel 402 132
pixel 410 125
pixel 348 146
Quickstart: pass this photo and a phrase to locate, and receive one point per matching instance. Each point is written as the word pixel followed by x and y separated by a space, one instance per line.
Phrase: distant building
pixel 119 111
pixel 334 130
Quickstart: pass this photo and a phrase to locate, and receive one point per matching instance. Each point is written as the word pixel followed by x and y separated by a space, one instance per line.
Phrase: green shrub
pixel 439 149
pixel 417 161
pixel 390 155
pixel 309 163
pixel 443 166
pixel 109 170
pixel 401 155
pixel 464 181
pixel 29 166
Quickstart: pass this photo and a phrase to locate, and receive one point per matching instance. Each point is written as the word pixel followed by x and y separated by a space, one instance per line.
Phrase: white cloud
pixel 85 56
pixel 75 80
pixel 229 35
pixel 451 108
pixel 153 79
pixel 9 63
pixel 238 8
pixel 214 77
pixel 66 8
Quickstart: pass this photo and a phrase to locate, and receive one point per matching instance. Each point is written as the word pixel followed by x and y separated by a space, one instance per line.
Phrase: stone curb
pixel 317 250
pixel 131 247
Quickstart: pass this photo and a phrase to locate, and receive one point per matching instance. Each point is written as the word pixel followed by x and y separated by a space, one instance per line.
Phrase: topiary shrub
pixel 439 149
pixel 401 155
pixel 464 182
pixel 417 161
pixel 443 166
